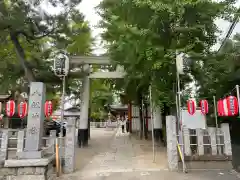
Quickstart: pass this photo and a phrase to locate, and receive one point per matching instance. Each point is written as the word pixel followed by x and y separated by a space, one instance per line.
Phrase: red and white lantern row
pixel 10 108
pixel 225 107
pixel 191 107
pixel 48 108
pixel 22 110
pixel 204 106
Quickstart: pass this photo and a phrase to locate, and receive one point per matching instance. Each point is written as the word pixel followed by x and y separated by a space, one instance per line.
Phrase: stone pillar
pixel 200 142
pixel 20 141
pixel 172 153
pixel 6 123
pixel 83 124
pixel 70 142
pixel 218 135
pixel 35 121
pixel 227 139
pixel 186 136
pixel 212 135
pixel 3 145
pixel 51 142
pixel 157 124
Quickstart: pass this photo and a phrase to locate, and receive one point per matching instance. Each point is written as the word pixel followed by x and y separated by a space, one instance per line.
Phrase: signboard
pixel 195 121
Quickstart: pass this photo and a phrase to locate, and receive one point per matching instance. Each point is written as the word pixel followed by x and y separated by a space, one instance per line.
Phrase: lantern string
pixel 228 93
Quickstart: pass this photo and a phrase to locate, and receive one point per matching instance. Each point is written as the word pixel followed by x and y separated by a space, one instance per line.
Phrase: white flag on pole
pixel 179 63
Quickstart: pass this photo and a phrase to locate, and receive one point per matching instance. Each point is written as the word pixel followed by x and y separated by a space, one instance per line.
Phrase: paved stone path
pixel 118 156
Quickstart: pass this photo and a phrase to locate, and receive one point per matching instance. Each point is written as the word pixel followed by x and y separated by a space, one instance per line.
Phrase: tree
pixel 218 74
pixel 143 36
pixel 31 36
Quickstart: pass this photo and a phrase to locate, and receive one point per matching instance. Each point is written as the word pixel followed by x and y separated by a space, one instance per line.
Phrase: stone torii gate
pixel 86 61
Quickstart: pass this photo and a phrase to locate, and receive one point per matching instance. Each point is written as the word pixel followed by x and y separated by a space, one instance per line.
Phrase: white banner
pixel 179 63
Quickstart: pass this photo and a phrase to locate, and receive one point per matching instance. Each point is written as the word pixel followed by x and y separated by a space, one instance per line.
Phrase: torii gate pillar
pixel 157 123
pixel 83 124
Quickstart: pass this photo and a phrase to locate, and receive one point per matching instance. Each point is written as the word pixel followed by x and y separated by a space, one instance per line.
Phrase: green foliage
pixel 218 73
pixel 30 37
pixel 101 96
pixel 143 36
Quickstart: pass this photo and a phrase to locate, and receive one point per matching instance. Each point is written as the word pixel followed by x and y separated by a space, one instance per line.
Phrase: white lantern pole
pixel 152 122
pixel 61 68
pixel 179 67
pixel 238 98
pixel 215 111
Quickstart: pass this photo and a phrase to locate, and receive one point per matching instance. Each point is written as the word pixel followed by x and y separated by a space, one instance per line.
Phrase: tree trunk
pixel 22 58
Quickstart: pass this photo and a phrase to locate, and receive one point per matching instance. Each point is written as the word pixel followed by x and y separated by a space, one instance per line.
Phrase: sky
pixel 87 7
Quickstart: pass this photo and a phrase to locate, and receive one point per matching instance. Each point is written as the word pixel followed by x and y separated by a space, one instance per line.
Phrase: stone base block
pixel 209 165
pixel 37 169
pixel 30 155
pixel 211 162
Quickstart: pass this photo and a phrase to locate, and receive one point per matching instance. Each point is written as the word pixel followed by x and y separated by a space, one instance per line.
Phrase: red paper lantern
pixel 48 108
pixel 220 107
pixel 225 109
pixel 10 108
pixel 204 106
pixel 22 109
pixel 232 105
pixel 191 107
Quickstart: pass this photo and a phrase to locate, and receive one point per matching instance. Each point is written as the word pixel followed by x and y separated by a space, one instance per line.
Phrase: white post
pixel 4 145
pixel 152 123
pixel 70 152
pixel 62 119
pixel 212 134
pixel 238 97
pixel 20 141
pixel 51 141
pixel 186 136
pixel 200 141
pixel 216 123
pixel 227 139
